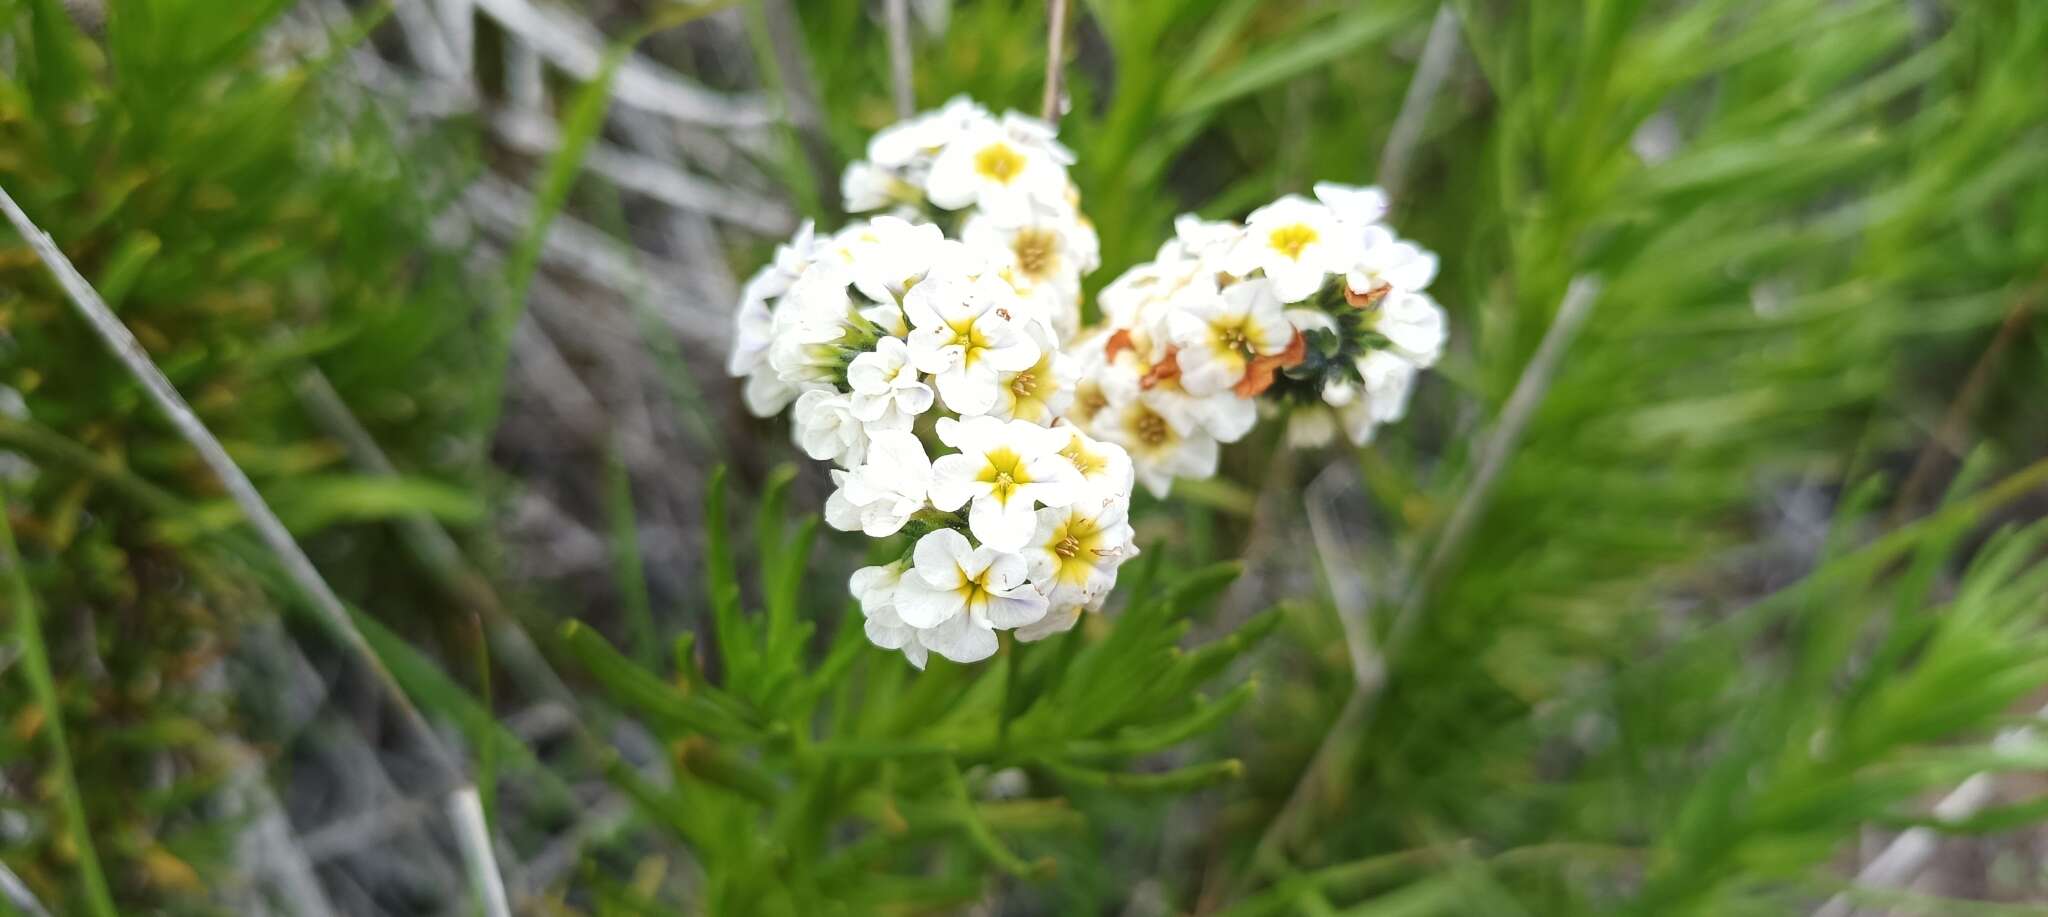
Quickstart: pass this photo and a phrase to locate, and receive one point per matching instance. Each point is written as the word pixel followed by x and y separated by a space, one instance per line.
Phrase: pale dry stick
pixel 1900 862
pixel 575 46
pixel 299 568
pixel 458 18
pixel 1349 591
pixel 1493 453
pixel 897 14
pixel 420 27
pixel 267 843
pixel 533 132
pixel 1055 58
pixel 1439 52
pixel 473 835
pixel 15 892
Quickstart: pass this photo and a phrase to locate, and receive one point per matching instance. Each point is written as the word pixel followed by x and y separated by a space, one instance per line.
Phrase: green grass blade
pixel 35 664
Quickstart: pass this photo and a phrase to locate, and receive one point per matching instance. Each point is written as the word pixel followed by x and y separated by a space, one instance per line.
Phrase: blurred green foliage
pixel 246 226
pixel 1636 689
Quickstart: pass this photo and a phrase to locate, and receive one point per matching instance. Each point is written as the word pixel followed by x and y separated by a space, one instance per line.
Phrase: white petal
pixel 1005 612
pixel 961 639
pixel 921 606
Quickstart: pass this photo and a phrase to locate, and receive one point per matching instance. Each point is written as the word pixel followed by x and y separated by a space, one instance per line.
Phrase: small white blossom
pixel 1000 167
pixel 1039 392
pixel 1075 552
pixel 885 490
pixel 827 429
pixel 957 596
pixel 1043 251
pixel 875 588
pixel 1383 397
pixel 1414 324
pixel 1161 447
pixel 1006 470
pixel 1218 336
pixel 1389 265
pixel 1297 243
pixel 1358 207
pixel 1105 468
pixel 966 332
pixel 885 383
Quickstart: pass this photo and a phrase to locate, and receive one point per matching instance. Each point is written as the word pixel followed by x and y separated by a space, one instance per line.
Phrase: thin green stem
pixel 35 662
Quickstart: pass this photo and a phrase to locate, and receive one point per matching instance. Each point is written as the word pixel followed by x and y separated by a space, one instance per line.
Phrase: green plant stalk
pixel 35 664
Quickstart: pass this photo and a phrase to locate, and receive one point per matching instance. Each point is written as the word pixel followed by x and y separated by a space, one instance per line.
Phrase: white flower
pixel 1219 335
pixel 1201 240
pixel 1043 251
pixel 1388 381
pixel 875 587
pixel 814 325
pixel 1039 392
pixel 957 596
pixel 1075 552
pixel 1359 207
pixel 827 429
pixel 1056 621
pixel 884 382
pixel 766 394
pixel 966 333
pixel 1414 324
pixel 1389 265
pixel 754 321
pixel 885 490
pixel 865 186
pixel 888 255
pixel 1007 469
pixel 1105 468
pixel 1297 242
pixel 1162 446
pixel 990 166
pixel 908 143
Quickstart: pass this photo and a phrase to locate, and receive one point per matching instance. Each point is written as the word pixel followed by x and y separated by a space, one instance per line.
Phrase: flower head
pixel 1075 552
pixel 999 166
pixel 1219 336
pixel 884 491
pixel 957 596
pixel 967 332
pixel 875 588
pixel 1005 470
pixel 885 384
pixel 1296 242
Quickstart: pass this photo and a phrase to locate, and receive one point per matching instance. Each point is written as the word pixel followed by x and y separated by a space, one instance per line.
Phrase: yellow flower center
pixel 1088 463
pixel 1004 471
pixel 1037 252
pixel 1089 401
pixel 1076 543
pixel 1151 428
pixel 1290 240
pixel 973 589
pixel 968 335
pixel 1232 336
pixel 998 161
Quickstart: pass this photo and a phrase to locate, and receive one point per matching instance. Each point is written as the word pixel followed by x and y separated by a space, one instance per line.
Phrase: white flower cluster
pixel 929 370
pixel 1314 290
pixel 934 353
